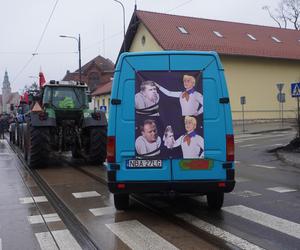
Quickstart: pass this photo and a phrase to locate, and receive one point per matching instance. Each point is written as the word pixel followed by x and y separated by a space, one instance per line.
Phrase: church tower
pixel 6 93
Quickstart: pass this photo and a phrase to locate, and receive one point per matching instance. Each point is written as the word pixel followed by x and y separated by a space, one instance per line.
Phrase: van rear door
pixel 131 168
pixel 214 120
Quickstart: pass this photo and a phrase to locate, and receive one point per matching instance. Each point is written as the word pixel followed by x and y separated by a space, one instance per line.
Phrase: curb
pixel 271 130
pixel 281 156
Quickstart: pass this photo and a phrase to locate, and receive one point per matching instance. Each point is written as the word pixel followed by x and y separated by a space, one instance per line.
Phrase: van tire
pixel 215 200
pixel 121 201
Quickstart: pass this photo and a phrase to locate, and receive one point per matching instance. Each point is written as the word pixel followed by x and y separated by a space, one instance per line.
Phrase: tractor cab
pixel 65 95
pixel 67 99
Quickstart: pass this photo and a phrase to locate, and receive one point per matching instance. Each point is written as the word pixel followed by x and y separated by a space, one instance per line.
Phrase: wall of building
pixel 252 77
pixel 103 100
pixel 256 79
pixel 144 41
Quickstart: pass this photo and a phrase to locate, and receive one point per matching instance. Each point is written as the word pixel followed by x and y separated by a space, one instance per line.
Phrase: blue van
pixel 170 127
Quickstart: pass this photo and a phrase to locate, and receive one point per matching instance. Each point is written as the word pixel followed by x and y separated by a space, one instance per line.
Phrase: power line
pixel 180 5
pixel 46 26
pixel 39 43
pixel 24 67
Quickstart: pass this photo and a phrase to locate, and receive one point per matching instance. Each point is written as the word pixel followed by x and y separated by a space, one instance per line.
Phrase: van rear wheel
pixel 215 200
pixel 121 201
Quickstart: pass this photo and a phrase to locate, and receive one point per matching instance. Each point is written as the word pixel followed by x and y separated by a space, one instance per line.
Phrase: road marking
pixel 248 145
pixel 282 189
pixel 262 166
pixel 258 137
pixel 86 194
pixel 102 211
pixel 247 136
pixel 241 179
pixel 37 199
pixel 218 232
pixel 267 220
pixel 64 240
pixel 46 241
pixel 246 193
pixel 237 162
pixel 35 219
pixel 137 236
pixel 0 244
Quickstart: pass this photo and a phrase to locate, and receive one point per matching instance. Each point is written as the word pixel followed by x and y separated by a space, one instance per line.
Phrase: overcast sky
pixel 24 30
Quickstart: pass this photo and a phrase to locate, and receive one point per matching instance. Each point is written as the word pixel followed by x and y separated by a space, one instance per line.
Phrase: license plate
pixel 144 163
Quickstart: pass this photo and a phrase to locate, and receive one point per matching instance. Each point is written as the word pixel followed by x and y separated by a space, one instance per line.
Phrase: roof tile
pixel 235 40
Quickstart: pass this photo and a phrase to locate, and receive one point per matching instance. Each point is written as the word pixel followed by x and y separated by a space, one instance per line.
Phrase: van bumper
pixel 200 187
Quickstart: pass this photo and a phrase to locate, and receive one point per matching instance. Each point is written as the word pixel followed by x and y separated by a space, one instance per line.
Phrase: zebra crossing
pixel 132 232
pixel 137 235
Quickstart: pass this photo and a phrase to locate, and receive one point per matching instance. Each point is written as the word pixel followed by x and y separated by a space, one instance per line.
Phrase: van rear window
pixel 169 115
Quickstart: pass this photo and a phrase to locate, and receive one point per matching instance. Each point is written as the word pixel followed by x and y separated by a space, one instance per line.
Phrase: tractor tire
pixel 37 145
pixel 75 152
pixel 12 134
pixel 215 200
pixel 96 151
pixel 121 201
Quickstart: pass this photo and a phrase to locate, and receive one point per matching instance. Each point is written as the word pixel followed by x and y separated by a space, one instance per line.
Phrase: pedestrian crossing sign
pixel 295 89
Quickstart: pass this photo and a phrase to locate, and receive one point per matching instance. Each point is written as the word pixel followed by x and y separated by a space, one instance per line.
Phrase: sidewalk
pixel 255 127
pixel 290 158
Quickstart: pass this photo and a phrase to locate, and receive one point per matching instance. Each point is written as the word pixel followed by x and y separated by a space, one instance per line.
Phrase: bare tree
pixel 287 12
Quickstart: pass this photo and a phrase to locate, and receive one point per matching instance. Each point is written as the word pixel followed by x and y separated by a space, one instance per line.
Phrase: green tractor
pixel 60 120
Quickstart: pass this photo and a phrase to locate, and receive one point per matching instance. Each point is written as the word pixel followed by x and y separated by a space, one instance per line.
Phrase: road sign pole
pixel 282 114
pixel 298 116
pixel 243 118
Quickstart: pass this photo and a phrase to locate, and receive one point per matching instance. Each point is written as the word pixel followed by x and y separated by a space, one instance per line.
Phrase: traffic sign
pixel 281 97
pixel 280 86
pixel 295 89
pixel 103 108
pixel 243 100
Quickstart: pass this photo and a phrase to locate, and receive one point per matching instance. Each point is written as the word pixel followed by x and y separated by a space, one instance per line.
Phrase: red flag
pixel 42 79
pixel 26 97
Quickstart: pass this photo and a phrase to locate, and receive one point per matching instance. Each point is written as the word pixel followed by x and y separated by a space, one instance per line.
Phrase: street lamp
pixel 79 51
pixel 124 46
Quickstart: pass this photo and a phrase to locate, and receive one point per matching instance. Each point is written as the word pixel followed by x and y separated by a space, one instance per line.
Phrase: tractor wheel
pixel 12 134
pixel 75 151
pixel 215 200
pixel 96 150
pixel 37 145
pixel 121 201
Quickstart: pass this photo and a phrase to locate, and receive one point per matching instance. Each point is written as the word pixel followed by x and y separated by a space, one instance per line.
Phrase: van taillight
pixel 229 147
pixel 111 149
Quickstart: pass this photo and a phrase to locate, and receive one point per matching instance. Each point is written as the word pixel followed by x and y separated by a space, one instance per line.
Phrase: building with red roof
pixel 97 74
pixel 255 57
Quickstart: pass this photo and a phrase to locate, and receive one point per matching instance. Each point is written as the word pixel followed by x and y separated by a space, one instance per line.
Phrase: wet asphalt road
pixel 262 212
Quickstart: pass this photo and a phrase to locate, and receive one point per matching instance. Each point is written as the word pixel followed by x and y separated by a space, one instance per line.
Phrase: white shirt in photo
pixel 143 147
pixel 192 150
pixel 188 107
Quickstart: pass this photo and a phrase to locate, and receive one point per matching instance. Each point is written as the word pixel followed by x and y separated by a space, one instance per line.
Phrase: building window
pixel 218 34
pixel 276 39
pixel 251 37
pixel 98 104
pixel 143 40
pixel 182 30
pixel 103 102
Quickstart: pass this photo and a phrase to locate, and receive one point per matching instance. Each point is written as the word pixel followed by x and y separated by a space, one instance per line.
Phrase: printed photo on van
pixel 169 115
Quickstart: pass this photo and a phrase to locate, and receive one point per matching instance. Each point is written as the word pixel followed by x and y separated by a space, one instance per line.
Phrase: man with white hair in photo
pixel 146 101
pixel 148 143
